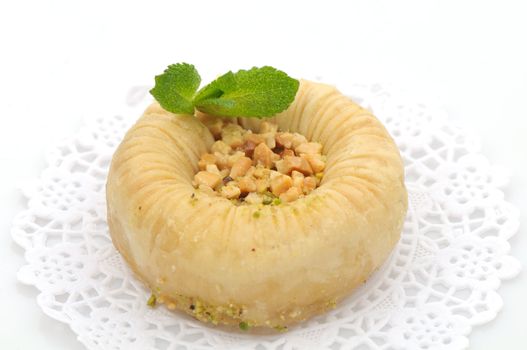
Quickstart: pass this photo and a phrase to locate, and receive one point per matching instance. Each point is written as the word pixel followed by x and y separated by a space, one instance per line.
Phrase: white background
pixel 61 61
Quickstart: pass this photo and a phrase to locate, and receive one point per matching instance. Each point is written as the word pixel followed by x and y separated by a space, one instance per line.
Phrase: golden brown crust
pixel 288 263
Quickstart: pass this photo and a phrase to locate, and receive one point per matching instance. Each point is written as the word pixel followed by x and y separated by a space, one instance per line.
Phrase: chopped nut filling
pixel 269 167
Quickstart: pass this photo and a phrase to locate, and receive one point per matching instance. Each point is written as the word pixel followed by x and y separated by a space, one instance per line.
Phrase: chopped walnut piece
pixel 207 178
pixel 251 171
pixel 298 139
pixel 274 174
pixel 222 160
pixel 220 147
pixel 315 161
pixel 230 191
pixel 261 172
pixel 290 163
pixel 232 135
pixel 262 185
pixel 298 179
pixel 234 158
pixel 309 148
pixel 213 168
pixel 263 155
pixel 247 185
pixel 253 198
pixel 270 140
pixel 206 159
pixel 309 184
pixel 254 138
pixel 290 195
pixel 280 184
pixel 240 167
pixel 287 152
pixel 284 139
pixel 281 166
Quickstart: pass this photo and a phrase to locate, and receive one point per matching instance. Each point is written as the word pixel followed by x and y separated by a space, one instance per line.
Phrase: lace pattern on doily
pixel 439 282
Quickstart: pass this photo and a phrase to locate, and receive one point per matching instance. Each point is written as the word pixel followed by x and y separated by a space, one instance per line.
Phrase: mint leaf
pixel 176 87
pixel 258 92
pixel 217 88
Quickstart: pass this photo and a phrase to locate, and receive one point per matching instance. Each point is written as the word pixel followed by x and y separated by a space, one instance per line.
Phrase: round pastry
pixel 247 263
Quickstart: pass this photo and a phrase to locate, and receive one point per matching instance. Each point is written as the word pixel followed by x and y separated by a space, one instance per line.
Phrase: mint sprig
pixel 257 92
pixel 176 87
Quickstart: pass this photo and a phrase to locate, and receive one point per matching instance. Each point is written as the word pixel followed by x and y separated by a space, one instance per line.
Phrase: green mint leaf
pixel 258 92
pixel 176 87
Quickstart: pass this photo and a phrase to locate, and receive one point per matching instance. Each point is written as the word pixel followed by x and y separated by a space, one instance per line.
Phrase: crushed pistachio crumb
pixel 277 201
pixel 331 304
pixel 152 300
pixel 256 214
pixel 280 328
pixel 267 200
pixel 244 326
pixel 205 312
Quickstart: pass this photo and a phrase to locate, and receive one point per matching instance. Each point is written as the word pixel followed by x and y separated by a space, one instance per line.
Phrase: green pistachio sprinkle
pixel 277 201
pixel 151 301
pixel 267 200
pixel 244 326
pixel 256 214
pixel 280 328
pixel 331 304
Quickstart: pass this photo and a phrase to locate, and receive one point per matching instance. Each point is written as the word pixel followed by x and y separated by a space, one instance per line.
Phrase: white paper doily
pixel 440 281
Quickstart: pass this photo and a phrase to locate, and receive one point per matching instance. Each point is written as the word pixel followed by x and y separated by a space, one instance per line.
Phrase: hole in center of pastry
pixel 267 166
